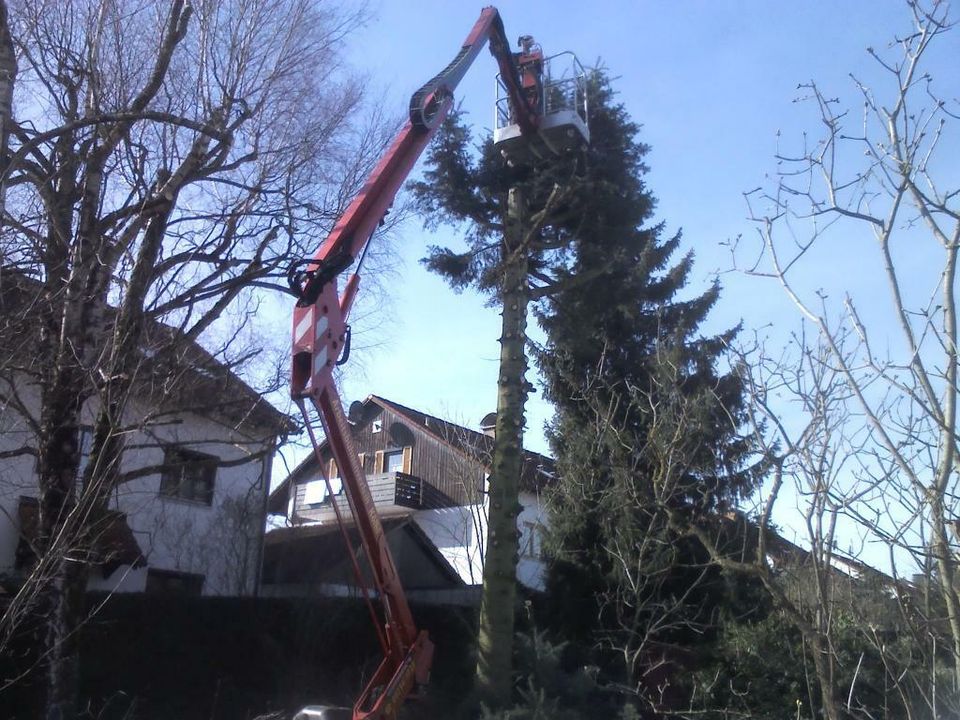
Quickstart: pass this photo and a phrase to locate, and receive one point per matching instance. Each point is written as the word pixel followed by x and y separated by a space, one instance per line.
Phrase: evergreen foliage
pixel 518 225
pixel 521 222
pixel 552 690
pixel 646 433
pixel 467 186
pixel 624 334
pixel 647 425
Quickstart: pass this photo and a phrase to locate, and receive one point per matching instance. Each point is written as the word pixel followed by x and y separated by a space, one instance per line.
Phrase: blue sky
pixel 712 84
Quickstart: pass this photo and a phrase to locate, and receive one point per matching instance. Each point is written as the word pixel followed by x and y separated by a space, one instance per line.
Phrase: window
pixel 314 493
pixel 189 476
pixel 393 461
pixel 170 582
pixel 530 540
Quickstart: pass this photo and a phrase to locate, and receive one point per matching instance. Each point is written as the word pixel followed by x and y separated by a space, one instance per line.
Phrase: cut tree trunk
pixel 494 677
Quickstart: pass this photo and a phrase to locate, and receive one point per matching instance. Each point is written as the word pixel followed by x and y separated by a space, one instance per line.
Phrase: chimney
pixel 488 426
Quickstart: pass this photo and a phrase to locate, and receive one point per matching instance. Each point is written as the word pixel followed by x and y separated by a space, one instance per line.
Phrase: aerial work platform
pixel 557 85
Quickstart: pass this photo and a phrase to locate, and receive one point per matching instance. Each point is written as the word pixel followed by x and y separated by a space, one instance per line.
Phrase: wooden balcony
pixel 391 492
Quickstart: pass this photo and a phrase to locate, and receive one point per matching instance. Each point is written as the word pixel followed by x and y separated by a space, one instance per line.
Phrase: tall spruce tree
pixel 569 235
pixel 646 431
pixel 520 221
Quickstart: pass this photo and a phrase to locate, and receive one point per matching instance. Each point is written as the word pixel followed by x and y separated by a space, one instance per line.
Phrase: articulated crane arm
pixel 321 337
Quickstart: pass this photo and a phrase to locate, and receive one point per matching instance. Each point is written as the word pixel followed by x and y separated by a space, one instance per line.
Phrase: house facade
pixel 188 517
pixel 428 478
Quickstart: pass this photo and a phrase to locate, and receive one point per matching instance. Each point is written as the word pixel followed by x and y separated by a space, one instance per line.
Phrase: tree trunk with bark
pixel 8 75
pixel 62 578
pixel 494 679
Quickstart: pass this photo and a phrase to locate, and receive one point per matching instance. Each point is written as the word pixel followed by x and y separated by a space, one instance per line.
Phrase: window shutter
pixel 378 462
pixel 332 469
pixel 407 458
pixel 361 457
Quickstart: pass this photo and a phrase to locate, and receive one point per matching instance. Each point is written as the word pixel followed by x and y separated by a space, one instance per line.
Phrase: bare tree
pixel 802 413
pixel 165 158
pixel 879 383
pixel 8 73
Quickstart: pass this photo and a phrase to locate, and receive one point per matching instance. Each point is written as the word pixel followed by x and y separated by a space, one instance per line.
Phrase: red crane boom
pixel 321 337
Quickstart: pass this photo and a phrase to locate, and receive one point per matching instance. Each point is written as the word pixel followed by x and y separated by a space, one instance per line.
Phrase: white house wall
pixel 220 541
pixel 459 534
pixel 16 475
pixel 192 537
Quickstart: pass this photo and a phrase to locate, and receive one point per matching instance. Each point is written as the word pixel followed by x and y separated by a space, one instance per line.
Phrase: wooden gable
pixel 388 442
pixel 425 456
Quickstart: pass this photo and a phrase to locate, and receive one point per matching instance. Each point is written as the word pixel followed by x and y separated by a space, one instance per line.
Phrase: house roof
pixel 175 372
pixel 538 470
pixel 323 544
pixel 783 553
pixel 316 529
pixel 183 374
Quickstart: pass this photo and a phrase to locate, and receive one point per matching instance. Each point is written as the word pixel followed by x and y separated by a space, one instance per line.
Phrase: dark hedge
pixel 152 657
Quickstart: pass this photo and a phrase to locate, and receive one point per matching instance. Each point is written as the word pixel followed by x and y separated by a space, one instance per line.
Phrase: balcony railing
pixel 392 489
pixel 412 492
